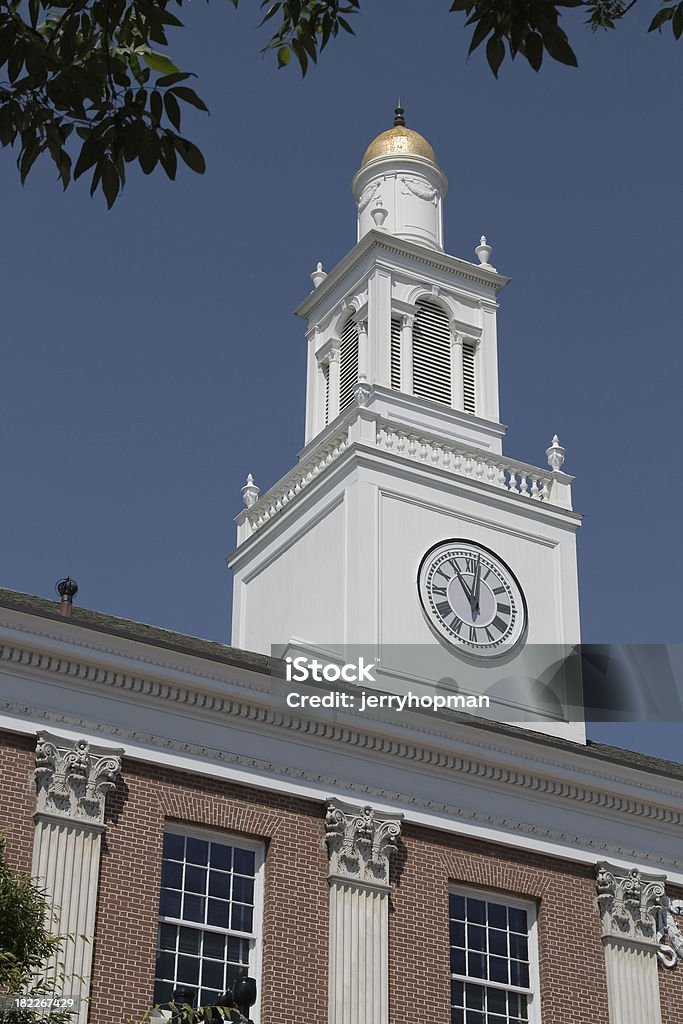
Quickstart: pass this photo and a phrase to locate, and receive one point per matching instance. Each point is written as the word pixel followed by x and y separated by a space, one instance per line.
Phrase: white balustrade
pixel 479 466
pixel 493 470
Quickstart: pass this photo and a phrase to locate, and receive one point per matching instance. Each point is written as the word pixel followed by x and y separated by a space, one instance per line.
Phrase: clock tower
pixel 403 529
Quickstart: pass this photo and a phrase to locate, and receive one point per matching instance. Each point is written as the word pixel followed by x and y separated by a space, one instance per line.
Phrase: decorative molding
pixel 454 812
pixel 73 780
pixel 630 905
pixel 360 843
pixel 368 194
pixel 238 707
pixel 418 187
pixel 435 260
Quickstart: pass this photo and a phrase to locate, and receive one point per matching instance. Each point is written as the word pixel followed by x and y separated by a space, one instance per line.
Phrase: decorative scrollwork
pixel 73 780
pixel 368 194
pixel 671 951
pixel 630 904
pixel 360 843
pixel 418 187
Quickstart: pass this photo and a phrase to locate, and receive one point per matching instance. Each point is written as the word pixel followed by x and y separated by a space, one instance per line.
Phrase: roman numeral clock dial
pixel 471 599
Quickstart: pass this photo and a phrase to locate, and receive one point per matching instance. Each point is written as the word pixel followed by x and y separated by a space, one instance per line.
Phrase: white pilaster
pixel 359 844
pixel 457 392
pixel 407 322
pixel 630 905
pixel 333 384
pixel 363 364
pixel 379 326
pixel 73 780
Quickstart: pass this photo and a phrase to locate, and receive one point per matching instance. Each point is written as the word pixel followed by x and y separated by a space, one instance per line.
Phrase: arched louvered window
pixel 431 353
pixel 348 364
pixel 468 378
pixel 395 354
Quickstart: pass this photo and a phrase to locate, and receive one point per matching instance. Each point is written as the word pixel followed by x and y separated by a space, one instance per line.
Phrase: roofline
pixel 213 650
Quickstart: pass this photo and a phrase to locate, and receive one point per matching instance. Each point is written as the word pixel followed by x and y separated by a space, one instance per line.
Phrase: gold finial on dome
pixel 399 140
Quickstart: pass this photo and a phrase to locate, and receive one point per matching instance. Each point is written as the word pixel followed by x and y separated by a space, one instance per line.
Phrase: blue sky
pixel 152 358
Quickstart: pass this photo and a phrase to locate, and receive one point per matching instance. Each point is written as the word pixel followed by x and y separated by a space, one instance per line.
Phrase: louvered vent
pixel 396 354
pixel 468 379
pixel 348 364
pixel 326 375
pixel 431 353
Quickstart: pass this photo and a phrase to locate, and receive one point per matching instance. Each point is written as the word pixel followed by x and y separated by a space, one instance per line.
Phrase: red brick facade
pixel 295 926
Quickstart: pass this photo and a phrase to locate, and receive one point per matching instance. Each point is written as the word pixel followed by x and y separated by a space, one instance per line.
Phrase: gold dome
pixel 399 140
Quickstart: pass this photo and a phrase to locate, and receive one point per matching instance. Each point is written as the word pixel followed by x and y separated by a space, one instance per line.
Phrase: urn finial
pixel 379 213
pixel 318 276
pixel 483 251
pixel 250 492
pixel 555 454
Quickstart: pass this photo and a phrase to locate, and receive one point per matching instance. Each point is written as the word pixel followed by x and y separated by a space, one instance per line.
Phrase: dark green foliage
pixel 25 944
pixel 85 79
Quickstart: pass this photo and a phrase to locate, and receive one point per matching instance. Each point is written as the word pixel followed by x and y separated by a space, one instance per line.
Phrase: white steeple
pixel 403 469
pixel 414 326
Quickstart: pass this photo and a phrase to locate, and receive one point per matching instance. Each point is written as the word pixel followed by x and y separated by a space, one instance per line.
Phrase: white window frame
pixel 534 990
pixel 255 938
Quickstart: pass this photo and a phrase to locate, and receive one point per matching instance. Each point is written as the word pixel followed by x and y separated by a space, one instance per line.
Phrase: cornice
pixel 381 241
pixel 482 758
pixel 326 783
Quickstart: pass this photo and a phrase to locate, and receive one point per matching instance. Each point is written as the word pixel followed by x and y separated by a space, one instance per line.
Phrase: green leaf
pixel 28 157
pixel 189 96
pixel 559 49
pixel 533 50
pixel 495 52
pixel 283 56
pixel 168 158
pixel 172 111
pixel 677 22
pixel 110 184
pixel 660 18
pixel 91 152
pixel 190 154
pixel 180 76
pixel 481 31
pixel 159 62
pixel 156 106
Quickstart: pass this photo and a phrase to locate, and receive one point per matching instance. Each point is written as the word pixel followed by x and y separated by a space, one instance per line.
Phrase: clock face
pixel 471 599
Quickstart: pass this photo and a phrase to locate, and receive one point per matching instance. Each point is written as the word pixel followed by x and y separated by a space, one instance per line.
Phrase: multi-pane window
pixel 492 967
pixel 207 916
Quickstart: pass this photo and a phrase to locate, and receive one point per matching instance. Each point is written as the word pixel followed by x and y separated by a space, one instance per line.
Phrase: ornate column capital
pixel 407 320
pixel 630 904
pixel 360 843
pixel 73 778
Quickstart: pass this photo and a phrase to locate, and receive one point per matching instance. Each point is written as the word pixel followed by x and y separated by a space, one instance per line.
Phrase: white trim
pixel 531 908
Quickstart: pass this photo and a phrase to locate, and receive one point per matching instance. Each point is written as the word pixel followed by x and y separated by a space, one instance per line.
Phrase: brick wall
pixel 296 899
pixel 296 892
pixel 571 959
pixel 17 798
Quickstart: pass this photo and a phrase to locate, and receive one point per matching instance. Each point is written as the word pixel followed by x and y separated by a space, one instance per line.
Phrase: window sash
pixel 532 993
pixel 253 938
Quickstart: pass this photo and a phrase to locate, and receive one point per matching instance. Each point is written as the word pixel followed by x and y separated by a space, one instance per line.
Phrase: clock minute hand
pixel 476 584
pixel 468 593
